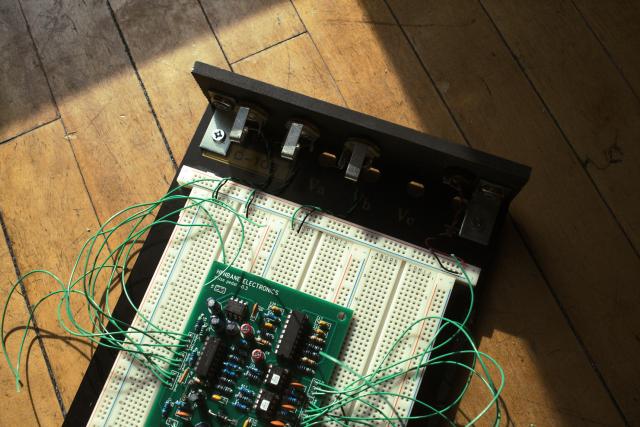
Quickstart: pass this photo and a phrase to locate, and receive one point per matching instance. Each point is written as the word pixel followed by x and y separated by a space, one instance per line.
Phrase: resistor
pixel 224 389
pixel 231 365
pixel 227 381
pixel 314 348
pixel 317 339
pixel 222 418
pixel 308 362
pixel 240 406
pixel 297 385
pixel 271 319
pixel 254 370
pixel 231 373
pixel 166 408
pixel 246 390
pixel 277 423
pixel 234 358
pixel 292 400
pixel 288 407
pixel 261 341
pixel 254 310
pixel 245 399
pixel 198 325
pixel 266 336
pixel 216 397
pixel 311 354
pixel 305 369
pixel 192 358
pixel 253 378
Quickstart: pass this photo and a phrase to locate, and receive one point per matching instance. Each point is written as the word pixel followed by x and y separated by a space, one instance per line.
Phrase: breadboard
pixel 387 283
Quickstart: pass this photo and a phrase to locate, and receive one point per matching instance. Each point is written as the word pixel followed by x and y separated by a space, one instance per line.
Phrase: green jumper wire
pixel 96 259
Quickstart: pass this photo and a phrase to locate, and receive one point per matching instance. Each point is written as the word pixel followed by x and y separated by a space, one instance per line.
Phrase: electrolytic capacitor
pixel 232 328
pixel 214 306
pixel 257 356
pixel 217 323
pixel 246 330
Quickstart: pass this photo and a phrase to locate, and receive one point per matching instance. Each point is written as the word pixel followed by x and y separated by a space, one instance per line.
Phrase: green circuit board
pixel 253 354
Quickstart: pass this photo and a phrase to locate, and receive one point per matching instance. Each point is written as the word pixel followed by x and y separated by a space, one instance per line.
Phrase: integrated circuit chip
pixel 276 377
pixel 266 404
pixel 236 309
pixel 294 327
pixel 210 358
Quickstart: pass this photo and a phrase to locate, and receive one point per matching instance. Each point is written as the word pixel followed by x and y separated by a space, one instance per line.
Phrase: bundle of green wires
pixel 368 390
pixel 161 350
pixel 101 261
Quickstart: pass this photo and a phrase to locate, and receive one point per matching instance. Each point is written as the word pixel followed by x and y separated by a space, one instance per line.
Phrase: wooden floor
pixel 97 105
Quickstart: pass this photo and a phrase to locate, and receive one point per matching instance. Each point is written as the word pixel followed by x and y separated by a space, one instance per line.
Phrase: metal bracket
pixel 246 118
pixel 298 135
pixel 482 212
pixel 360 153
pixel 216 137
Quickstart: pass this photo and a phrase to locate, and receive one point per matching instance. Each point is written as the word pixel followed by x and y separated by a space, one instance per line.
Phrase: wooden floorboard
pixel 516 339
pixel 25 101
pixel 36 402
pixel 616 23
pixel 165 39
pixel 247 27
pixel 120 75
pixel 119 149
pixel 295 65
pixel 48 216
pixel 584 91
pixel 600 116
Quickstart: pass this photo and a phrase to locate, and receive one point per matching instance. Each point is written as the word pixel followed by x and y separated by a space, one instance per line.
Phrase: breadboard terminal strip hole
pixel 329 258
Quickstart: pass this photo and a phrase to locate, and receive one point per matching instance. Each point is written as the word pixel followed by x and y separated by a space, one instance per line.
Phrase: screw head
pixel 218 135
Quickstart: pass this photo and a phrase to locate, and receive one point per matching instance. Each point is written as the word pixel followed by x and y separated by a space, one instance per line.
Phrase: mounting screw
pixel 218 135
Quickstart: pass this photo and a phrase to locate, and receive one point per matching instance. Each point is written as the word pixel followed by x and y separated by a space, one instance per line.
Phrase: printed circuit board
pixel 253 354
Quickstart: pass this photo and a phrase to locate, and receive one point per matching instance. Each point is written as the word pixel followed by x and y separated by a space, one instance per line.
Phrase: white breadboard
pixel 388 283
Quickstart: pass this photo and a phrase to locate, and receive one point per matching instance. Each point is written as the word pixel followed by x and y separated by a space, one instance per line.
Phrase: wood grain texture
pixel 562 218
pixel 598 113
pixel 374 67
pixel 48 216
pixel 36 401
pixel 165 38
pixel 617 25
pixel 295 65
pixel 584 91
pixel 118 145
pixel 520 322
pixel 25 101
pixel 247 27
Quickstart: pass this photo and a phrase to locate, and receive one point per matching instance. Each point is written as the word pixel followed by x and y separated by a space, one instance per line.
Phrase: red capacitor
pixel 246 330
pixel 257 356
